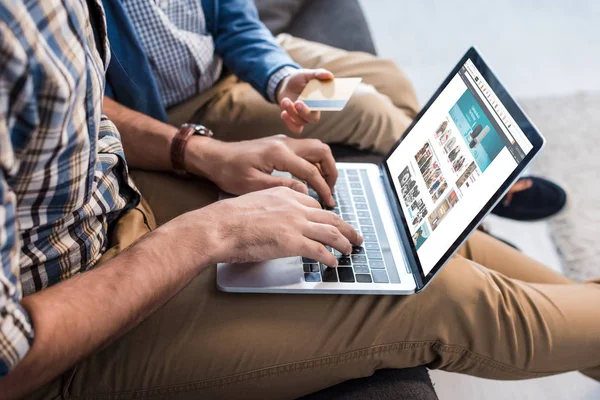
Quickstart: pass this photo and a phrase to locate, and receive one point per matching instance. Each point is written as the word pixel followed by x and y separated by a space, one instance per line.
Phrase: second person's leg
pixel 498 256
pixel 374 119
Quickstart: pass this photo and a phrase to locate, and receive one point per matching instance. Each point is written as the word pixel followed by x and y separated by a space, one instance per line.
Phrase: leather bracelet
pixel 179 143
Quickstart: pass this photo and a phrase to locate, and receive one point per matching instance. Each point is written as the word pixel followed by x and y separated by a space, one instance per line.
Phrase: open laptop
pixel 462 153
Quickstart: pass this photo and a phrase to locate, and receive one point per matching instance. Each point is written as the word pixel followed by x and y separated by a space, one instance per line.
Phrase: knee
pixel 480 312
pixel 378 124
pixel 399 86
pixel 369 104
pixel 458 286
pixel 463 298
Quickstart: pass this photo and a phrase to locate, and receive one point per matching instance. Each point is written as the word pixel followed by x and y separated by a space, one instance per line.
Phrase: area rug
pixel 571 157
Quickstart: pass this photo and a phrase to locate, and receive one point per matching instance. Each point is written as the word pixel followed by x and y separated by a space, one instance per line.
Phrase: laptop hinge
pixel 413 267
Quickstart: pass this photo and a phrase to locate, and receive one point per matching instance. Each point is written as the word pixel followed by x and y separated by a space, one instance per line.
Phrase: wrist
pixel 200 154
pixel 276 82
pixel 196 239
pixel 279 90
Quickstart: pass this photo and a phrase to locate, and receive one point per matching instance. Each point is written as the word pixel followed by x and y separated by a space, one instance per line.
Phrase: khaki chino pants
pixel 376 116
pixel 491 312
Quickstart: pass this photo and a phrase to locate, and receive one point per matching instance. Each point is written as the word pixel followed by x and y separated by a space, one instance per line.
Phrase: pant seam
pixel 465 352
pixel 315 363
pixel 145 218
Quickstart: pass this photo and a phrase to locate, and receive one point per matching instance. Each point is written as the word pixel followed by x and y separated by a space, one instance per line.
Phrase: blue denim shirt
pixel 247 47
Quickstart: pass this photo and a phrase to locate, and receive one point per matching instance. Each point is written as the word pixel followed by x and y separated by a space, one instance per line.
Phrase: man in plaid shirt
pixel 69 205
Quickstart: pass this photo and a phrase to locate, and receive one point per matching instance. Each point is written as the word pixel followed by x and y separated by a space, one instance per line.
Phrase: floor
pixel 537 49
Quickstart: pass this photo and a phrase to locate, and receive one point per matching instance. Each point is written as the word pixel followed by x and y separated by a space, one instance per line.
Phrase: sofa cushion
pixel 337 23
pixel 385 384
pixel 277 15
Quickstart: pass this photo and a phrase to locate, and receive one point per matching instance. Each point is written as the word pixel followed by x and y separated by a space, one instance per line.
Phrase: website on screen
pixel 452 162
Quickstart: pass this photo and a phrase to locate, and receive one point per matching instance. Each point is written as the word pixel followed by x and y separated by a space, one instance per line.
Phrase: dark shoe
pixel 542 200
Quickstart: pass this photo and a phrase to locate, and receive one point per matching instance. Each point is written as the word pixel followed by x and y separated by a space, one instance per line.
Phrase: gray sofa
pixel 341 23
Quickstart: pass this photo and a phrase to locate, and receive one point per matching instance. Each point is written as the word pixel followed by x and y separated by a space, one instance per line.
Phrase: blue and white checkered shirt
pixel 63 176
pixel 181 52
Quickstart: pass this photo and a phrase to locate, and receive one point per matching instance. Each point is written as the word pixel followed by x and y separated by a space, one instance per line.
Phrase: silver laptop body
pixel 380 268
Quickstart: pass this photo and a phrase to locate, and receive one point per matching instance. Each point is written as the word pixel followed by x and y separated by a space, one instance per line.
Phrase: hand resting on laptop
pixel 244 167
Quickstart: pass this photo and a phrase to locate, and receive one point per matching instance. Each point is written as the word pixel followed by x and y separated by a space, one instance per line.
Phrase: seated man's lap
pixel 375 117
pixel 170 196
pixel 369 121
pixel 219 344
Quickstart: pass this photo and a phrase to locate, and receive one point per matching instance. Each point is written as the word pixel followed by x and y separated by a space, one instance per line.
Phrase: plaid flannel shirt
pixel 63 176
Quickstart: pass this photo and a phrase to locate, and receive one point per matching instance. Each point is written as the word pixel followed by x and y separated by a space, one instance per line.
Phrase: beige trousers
pixel 491 312
pixel 378 113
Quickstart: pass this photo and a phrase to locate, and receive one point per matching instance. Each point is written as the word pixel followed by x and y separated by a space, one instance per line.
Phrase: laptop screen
pixel 453 161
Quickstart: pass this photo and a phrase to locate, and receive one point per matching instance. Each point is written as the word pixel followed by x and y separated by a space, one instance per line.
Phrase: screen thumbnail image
pixel 439 192
pixel 432 175
pixel 438 215
pixel 441 129
pixel 458 164
pixel 417 212
pixel 412 195
pixel 453 153
pixel 421 235
pixel 406 189
pixel 442 140
pixel 404 176
pixel 468 176
pixel 430 170
pixel 449 144
pixel 408 186
pixel 482 139
pixel 423 156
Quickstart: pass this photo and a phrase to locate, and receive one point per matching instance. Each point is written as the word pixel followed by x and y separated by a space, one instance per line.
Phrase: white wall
pixel 537 47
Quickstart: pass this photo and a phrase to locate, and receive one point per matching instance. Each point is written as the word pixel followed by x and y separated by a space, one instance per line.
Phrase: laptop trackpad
pixel 272 273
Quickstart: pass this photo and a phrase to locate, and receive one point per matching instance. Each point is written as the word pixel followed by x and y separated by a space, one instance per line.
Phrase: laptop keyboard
pixel 366 264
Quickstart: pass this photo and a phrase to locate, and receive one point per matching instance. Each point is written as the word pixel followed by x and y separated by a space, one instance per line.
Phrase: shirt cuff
pixel 276 79
pixel 16 335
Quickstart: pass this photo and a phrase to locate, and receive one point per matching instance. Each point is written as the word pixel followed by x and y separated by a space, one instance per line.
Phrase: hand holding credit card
pixel 332 95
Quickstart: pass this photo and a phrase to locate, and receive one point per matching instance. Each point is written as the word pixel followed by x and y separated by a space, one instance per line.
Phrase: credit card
pixel 330 95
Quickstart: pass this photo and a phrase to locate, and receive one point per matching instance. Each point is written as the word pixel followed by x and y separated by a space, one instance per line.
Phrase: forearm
pixel 82 315
pixel 146 141
pixel 248 48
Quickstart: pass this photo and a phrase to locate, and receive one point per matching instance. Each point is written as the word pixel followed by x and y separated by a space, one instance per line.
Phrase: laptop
pixel 455 162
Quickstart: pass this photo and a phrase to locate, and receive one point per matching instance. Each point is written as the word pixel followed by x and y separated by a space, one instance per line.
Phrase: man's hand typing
pixel 244 167
pixel 274 223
